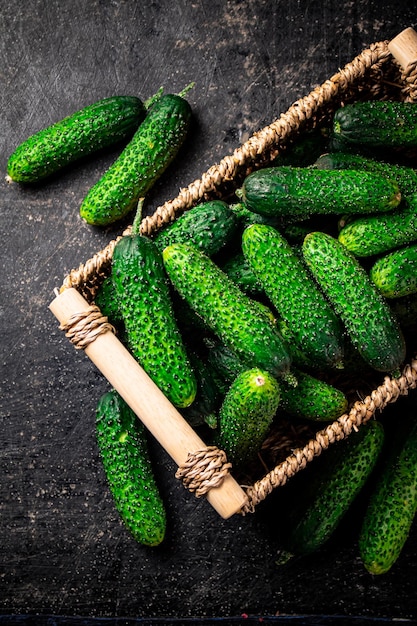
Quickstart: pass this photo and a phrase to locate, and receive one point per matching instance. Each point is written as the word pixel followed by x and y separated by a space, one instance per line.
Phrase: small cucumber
pixel 227 311
pixel 94 127
pixel 246 415
pixel 368 320
pixel 294 294
pixel 392 507
pixel 123 447
pixel 374 234
pixel 344 471
pixel 148 154
pixel 300 192
pixel 395 274
pixel 209 226
pixel 312 399
pixel 377 124
pixel 151 329
pixel 404 176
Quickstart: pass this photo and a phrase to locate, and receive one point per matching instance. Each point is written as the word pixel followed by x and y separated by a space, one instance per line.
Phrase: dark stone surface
pixel 63 548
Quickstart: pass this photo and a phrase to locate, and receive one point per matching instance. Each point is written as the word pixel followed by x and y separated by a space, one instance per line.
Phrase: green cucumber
pixel 123 447
pixel 94 127
pixel 392 506
pixel 374 234
pixel 151 329
pixel 209 226
pixel 148 154
pixel 404 176
pixel 300 192
pixel 294 294
pixel 368 320
pixel 246 415
pixel 377 124
pixel 227 311
pixel 312 399
pixel 345 469
pixel 395 273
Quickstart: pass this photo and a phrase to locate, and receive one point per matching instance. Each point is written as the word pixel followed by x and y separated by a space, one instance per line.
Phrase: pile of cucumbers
pixel 246 312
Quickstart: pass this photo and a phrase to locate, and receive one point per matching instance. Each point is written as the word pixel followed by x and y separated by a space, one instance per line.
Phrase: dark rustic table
pixel 64 551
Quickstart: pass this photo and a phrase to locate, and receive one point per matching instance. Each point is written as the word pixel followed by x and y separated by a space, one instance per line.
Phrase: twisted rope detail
pixel 84 327
pixel 203 470
pixel 361 412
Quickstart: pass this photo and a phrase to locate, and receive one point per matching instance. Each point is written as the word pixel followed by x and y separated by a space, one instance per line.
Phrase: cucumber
pixel 152 333
pixel 96 126
pixel 300 192
pixel 227 311
pixel 368 320
pixel 294 294
pixel 246 415
pixel 392 507
pixel 395 274
pixel 209 226
pixel 148 154
pixel 312 399
pixel 404 176
pixel 123 447
pixel 377 124
pixel 375 234
pixel 344 471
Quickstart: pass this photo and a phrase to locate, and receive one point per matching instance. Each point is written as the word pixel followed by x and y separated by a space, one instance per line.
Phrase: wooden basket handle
pixel 404 48
pixel 144 397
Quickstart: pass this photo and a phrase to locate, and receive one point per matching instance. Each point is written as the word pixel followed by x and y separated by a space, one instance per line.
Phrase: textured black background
pixel 63 549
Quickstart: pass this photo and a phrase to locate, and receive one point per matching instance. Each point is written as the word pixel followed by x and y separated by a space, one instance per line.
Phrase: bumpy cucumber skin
pixel 368 320
pixel 124 452
pixel 238 269
pixel 227 311
pixel 246 415
pixel 294 294
pixel 395 274
pixel 404 176
pixel 151 150
pixel 107 301
pixel 96 126
pixel 377 124
pixel 344 473
pixel 209 226
pixel 298 192
pixel 151 329
pixel 312 399
pixel 391 509
pixel 375 234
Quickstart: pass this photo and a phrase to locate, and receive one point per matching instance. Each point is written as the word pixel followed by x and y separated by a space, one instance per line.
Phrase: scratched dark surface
pixel 63 550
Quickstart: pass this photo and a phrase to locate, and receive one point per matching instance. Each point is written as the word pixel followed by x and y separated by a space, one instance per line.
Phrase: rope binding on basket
pixel 203 470
pixel 83 328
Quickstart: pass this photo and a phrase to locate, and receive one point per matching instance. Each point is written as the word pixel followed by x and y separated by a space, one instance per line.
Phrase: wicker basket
pixel 386 70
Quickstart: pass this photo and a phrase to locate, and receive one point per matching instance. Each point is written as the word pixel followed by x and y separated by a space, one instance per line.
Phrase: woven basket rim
pixel 362 77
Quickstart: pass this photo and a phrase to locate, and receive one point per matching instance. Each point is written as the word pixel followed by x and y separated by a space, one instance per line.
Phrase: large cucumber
pixel 392 506
pixel 343 474
pixel 123 447
pixel 294 294
pixel 151 329
pixel 227 311
pixel 299 192
pixel 96 126
pixel 148 154
pixel 370 324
